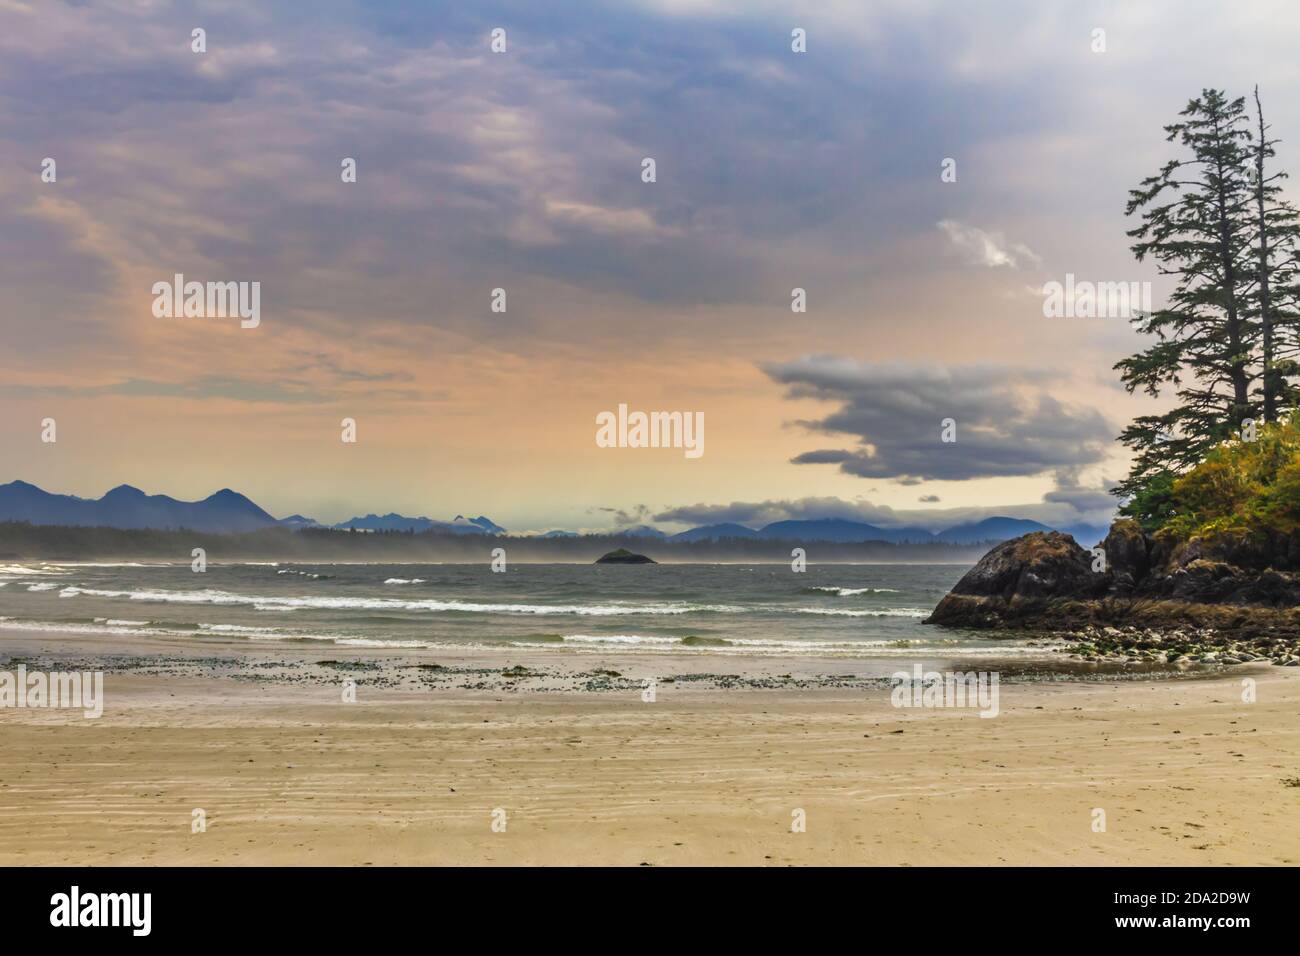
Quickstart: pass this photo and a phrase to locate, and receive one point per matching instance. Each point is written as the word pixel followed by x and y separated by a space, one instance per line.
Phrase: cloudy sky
pixel 522 170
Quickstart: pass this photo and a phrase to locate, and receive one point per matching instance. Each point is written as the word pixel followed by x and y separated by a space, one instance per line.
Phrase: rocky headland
pixel 1140 596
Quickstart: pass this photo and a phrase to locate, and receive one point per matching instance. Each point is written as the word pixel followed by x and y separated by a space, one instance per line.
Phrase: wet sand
pixel 286 772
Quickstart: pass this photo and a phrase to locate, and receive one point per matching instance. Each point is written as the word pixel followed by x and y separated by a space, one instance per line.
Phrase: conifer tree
pixel 1196 225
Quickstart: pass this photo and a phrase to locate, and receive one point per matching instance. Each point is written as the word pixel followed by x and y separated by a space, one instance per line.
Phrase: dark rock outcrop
pixel 1037 565
pixel 1019 580
pixel 1128 556
pixel 1046 581
pixel 624 556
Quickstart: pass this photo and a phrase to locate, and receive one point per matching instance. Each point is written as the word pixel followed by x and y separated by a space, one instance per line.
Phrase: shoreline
pixel 549 667
pixel 1187 773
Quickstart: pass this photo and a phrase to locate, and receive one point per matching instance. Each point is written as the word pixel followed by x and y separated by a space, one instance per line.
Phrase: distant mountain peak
pixel 641 531
pixel 842 530
pixel 715 532
pixel 298 521
pixel 993 528
pixel 227 494
pixel 122 491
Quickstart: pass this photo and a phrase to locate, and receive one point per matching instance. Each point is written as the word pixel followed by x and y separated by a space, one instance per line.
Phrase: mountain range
pixel 846 531
pixel 228 512
pixel 395 522
pixel 127 507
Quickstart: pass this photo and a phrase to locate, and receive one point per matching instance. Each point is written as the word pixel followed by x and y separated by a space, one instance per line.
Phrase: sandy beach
pixel 287 773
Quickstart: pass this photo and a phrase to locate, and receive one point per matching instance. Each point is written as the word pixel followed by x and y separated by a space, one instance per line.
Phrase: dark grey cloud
pixel 1094 503
pixel 1007 423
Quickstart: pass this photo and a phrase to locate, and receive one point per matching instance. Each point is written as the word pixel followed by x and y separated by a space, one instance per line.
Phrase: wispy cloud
pixel 989 249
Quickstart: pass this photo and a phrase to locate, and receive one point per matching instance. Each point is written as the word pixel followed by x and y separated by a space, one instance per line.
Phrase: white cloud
pixel 989 249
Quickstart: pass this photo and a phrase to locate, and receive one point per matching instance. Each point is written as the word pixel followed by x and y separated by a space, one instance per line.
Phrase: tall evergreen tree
pixel 1196 226
pixel 1276 228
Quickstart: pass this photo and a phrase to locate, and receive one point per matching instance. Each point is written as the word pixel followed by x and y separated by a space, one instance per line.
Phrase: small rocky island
pixel 624 556
pixel 1152 597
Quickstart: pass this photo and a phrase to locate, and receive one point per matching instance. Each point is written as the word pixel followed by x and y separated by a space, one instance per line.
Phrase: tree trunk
pixel 1265 307
pixel 1237 373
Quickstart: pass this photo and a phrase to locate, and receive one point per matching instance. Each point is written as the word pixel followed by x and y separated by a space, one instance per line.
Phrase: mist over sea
pixel 764 610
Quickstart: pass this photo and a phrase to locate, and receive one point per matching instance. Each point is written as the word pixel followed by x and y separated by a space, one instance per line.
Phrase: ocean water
pixel 760 609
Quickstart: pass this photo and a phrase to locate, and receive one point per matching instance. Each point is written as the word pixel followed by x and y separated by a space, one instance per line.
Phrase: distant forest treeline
pixel 21 540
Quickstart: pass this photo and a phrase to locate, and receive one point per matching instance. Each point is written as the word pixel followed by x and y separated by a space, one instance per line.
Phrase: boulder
pixel 1017 577
pixel 1037 565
